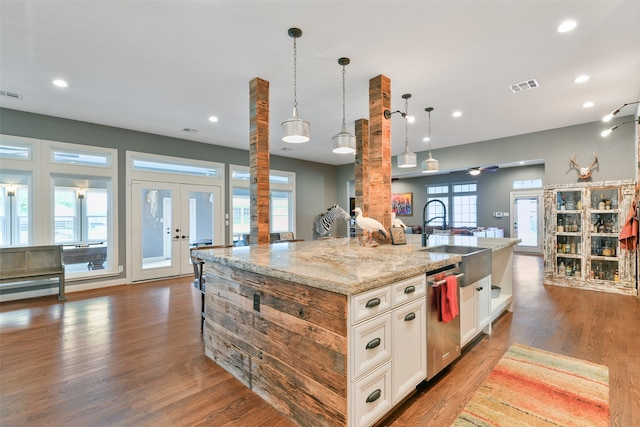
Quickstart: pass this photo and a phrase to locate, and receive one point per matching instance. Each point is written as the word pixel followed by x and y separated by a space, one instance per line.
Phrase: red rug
pixel 531 387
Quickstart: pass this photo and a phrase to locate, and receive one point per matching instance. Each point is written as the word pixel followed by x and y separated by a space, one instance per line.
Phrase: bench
pixel 24 263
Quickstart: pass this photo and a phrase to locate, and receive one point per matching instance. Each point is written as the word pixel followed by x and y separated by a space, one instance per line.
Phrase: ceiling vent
pixel 189 130
pixel 526 85
pixel 11 95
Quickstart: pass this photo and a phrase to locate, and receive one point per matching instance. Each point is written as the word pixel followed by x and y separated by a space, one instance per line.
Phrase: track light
pixel 609 116
pixel 606 132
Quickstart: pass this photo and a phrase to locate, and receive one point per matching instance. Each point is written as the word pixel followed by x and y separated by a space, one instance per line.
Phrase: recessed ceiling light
pixel 213 119
pixel 426 139
pixel 60 83
pixel 588 104
pixel 457 113
pixel 411 119
pixel 521 162
pixel 581 78
pixel 567 26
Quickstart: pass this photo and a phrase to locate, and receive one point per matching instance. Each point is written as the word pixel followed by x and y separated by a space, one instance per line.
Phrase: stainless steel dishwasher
pixel 443 339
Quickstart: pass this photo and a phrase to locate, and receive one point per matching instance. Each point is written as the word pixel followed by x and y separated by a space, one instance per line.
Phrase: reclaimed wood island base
pixel 280 318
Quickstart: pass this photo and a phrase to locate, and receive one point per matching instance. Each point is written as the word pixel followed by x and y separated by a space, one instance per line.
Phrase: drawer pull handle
pixel 374 396
pixel 409 289
pixel 409 317
pixel 373 343
pixel 479 289
pixel 373 302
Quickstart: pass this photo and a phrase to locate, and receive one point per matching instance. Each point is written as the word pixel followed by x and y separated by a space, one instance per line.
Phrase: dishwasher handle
pixel 442 282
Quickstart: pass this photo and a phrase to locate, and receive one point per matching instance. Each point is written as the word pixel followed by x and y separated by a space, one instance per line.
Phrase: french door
pixel 167 220
pixel 526 214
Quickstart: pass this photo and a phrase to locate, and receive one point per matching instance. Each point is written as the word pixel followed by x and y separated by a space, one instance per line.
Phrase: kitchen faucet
pixel 425 236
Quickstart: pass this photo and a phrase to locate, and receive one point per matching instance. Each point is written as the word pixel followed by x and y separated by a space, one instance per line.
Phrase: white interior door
pixel 167 219
pixel 526 214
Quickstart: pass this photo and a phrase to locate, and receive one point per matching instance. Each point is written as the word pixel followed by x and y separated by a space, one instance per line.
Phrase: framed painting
pixel 402 204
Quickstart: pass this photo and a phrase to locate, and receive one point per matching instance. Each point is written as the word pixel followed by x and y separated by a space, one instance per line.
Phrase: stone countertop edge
pixel 342 265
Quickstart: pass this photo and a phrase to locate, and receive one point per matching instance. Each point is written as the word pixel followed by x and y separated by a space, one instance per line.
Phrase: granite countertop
pixel 342 265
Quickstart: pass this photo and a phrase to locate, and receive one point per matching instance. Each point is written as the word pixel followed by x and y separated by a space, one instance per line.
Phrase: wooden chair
pixel 200 278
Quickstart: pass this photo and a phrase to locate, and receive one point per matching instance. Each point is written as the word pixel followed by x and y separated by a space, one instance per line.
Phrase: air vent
pixel 190 130
pixel 286 149
pixel 520 87
pixel 11 95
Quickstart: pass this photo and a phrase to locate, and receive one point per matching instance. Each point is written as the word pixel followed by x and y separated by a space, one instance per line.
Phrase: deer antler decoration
pixel 584 173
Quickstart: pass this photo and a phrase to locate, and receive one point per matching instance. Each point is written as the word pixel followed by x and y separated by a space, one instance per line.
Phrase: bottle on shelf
pixel 560 225
pixel 561 269
pixel 577 273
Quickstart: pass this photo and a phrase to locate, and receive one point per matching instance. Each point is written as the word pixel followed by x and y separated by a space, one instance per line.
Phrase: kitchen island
pixel 288 319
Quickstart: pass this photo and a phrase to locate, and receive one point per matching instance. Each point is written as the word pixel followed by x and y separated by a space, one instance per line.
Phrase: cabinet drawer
pixel 368 304
pixel 408 290
pixel 372 396
pixel 371 344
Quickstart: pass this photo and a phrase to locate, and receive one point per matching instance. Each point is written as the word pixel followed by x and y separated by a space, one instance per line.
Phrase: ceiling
pixel 162 66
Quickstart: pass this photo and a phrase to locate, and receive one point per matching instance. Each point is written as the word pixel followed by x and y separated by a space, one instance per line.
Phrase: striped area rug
pixel 531 387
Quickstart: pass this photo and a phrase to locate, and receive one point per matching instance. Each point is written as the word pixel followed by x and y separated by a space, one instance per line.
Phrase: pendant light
pixel 295 130
pixel 344 142
pixel 431 164
pixel 407 159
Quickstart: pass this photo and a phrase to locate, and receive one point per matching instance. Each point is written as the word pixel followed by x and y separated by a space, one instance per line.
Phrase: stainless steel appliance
pixel 443 339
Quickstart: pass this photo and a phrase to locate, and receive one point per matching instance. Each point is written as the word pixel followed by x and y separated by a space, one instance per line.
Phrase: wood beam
pixel 259 161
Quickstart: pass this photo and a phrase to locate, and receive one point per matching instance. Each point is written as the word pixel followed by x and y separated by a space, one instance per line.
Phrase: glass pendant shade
pixel 295 130
pixel 407 159
pixel 430 165
pixel 344 142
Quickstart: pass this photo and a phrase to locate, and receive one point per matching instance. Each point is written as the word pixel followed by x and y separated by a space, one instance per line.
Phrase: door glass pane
pixel 157 226
pixel 241 215
pixel 280 211
pixel 201 218
pixel 527 221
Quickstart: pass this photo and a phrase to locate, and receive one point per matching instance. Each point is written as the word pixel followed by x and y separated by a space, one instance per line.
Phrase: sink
pixel 453 249
pixel 476 262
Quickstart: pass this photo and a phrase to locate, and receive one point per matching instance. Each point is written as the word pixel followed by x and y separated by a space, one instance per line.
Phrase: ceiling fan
pixel 477 170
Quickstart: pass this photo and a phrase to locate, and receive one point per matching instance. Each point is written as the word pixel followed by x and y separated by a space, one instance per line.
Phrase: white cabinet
pixel 475 309
pixel 388 348
pixel 409 362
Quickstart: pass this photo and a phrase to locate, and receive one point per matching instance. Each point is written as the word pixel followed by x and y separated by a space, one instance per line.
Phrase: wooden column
pixel 379 151
pixel 361 164
pixel 259 161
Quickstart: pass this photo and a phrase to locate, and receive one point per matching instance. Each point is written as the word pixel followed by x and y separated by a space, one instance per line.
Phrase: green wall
pixel 315 182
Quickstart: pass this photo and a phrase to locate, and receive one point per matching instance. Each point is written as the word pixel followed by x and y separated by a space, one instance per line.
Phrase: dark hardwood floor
pixel 133 356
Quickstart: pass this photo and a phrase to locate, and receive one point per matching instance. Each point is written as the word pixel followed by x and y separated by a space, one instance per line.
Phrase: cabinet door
pixel 409 350
pixel 468 315
pixel 483 306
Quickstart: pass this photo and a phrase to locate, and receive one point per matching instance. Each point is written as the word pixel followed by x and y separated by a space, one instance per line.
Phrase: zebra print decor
pixel 323 224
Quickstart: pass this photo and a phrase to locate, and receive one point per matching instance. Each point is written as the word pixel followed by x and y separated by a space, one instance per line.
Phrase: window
pixel 14 215
pixel 282 202
pixel 80 215
pixel 527 183
pixel 460 200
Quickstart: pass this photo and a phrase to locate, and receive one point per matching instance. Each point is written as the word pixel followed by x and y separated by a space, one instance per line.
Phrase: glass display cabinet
pixel 583 224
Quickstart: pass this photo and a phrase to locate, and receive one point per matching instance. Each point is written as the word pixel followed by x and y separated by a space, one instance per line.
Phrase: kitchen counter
pixel 342 265
pixel 283 319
